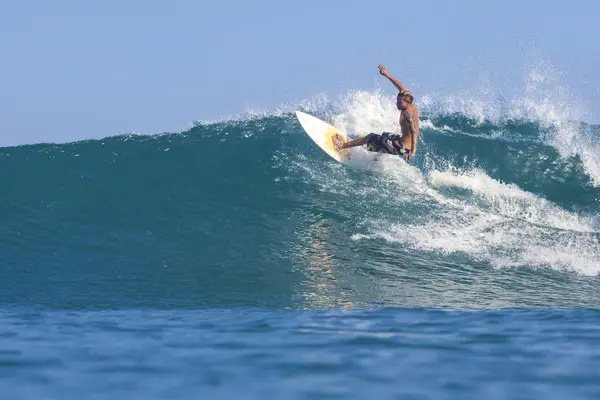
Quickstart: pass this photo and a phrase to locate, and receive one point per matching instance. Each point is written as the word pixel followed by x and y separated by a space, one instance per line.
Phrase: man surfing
pixel 390 143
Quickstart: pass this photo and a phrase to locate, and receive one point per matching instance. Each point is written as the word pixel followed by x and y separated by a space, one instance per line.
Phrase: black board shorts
pixel 388 143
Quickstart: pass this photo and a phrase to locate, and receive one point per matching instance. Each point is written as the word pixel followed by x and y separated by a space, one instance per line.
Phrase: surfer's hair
pixel 407 96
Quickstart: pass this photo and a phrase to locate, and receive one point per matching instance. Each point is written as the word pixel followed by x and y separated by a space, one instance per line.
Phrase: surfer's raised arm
pixel 383 71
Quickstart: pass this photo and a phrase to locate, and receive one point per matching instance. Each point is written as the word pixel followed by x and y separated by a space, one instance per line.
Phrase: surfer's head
pixel 404 99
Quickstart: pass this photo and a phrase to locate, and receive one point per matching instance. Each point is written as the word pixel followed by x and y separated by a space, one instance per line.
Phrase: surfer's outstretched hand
pixel 383 70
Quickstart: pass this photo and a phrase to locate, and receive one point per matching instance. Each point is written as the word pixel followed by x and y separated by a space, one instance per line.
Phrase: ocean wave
pixel 495 192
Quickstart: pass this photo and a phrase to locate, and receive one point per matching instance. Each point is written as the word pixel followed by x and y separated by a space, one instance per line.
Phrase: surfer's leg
pixel 351 143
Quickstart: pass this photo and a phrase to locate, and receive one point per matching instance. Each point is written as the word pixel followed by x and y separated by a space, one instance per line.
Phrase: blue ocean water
pixel 236 260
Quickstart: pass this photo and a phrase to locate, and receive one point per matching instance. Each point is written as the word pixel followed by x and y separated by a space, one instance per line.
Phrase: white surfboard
pixel 322 134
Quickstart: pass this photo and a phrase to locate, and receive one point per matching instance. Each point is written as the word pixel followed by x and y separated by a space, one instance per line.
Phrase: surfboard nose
pixel 322 134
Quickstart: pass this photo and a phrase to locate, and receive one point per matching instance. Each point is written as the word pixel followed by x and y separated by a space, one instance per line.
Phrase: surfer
pixel 390 143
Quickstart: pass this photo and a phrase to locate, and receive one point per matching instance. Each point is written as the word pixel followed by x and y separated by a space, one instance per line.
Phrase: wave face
pixel 493 212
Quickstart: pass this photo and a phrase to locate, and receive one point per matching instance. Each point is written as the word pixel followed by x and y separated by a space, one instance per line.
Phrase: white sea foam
pixel 511 228
pixel 509 200
pixel 547 100
pixel 360 112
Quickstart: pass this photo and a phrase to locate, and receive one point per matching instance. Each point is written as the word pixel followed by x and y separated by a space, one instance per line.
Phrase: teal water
pixel 250 353
pixel 236 260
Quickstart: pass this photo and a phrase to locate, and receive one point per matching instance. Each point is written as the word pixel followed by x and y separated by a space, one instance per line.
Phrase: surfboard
pixel 322 134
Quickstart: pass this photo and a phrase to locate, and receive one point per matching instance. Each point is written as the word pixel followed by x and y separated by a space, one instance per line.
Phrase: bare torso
pixel 405 120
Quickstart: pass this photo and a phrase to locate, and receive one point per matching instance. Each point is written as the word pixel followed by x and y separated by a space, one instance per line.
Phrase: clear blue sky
pixel 74 69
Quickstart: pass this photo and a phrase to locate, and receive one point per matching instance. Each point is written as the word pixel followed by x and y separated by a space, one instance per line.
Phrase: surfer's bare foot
pixel 337 145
